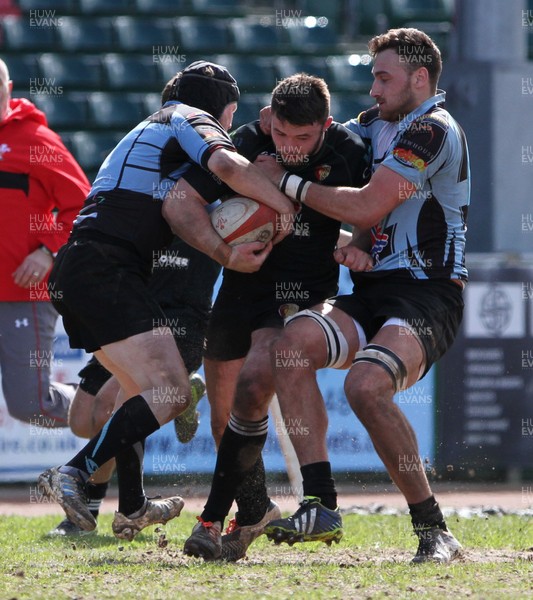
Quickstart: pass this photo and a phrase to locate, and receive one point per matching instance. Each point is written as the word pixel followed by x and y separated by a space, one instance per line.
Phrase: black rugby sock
pixel 132 422
pixel 131 496
pixel 252 498
pixel 96 492
pixel 239 450
pixel 317 481
pixel 426 514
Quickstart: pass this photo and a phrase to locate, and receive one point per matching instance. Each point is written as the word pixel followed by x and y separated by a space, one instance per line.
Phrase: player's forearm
pixel 348 205
pixel 362 207
pixel 246 179
pixel 189 220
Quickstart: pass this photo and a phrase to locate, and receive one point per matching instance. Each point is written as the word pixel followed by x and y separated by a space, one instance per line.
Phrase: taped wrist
pixel 295 187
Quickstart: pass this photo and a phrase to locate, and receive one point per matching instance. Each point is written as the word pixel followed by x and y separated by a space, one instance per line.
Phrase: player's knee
pixel 254 388
pixel 366 388
pixel 290 351
pixel 170 394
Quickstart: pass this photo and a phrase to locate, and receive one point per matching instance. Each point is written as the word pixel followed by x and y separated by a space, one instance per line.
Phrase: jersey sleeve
pixel 249 142
pixel 207 184
pixel 354 126
pixel 421 150
pixel 200 135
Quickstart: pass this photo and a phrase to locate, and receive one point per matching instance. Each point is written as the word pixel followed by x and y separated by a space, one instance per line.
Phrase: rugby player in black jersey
pixel 103 274
pixel 250 309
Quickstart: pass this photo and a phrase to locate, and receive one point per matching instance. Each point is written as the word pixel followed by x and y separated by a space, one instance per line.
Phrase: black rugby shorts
pixel 101 291
pixel 434 309
pixel 237 314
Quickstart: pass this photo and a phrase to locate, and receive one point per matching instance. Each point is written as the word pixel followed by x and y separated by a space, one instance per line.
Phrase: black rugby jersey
pixel 183 277
pixel 303 262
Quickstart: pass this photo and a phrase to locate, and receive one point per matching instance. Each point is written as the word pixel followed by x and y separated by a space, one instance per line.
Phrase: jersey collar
pixel 439 97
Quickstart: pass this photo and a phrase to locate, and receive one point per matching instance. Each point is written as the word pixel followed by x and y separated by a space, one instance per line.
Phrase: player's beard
pixel 403 105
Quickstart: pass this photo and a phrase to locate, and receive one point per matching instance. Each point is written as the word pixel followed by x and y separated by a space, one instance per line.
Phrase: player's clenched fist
pixel 248 258
pixel 354 258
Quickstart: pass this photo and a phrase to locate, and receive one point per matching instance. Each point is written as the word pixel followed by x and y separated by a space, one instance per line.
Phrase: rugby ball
pixel 240 220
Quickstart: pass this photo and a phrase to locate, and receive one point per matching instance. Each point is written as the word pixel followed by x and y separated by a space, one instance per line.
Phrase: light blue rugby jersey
pixel 126 197
pixel 424 237
pixel 153 155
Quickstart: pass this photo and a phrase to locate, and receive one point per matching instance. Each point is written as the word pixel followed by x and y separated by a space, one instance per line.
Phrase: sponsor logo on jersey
pixel 422 141
pixel 322 172
pixel 409 158
pixel 379 241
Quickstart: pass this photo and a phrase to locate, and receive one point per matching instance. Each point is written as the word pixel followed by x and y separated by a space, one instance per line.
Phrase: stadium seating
pixel 91 148
pixel 25 34
pixel 199 35
pixel 347 106
pixel 22 69
pixel 72 72
pixel 145 35
pixel 162 7
pixel 131 72
pixel 78 34
pixel 59 6
pixel 349 73
pixel 249 107
pixel 218 7
pixel 288 65
pixel 371 17
pixel 108 110
pixel 253 73
pixel 151 103
pixel 263 37
pixel 379 15
pixel 401 12
pixel 318 8
pixel 107 7
pixel 313 39
pixel 65 112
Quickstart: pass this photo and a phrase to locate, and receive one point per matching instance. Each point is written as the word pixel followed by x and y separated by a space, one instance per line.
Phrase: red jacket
pixel 37 174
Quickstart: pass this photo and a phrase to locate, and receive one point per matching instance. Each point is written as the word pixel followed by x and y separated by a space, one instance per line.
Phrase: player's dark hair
pixel 417 48
pixel 204 85
pixel 301 99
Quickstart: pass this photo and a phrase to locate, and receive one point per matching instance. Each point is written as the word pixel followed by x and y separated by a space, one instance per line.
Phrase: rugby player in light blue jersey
pixel 407 303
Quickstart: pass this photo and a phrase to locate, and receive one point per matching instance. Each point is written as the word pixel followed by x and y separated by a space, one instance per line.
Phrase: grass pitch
pixel 372 561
